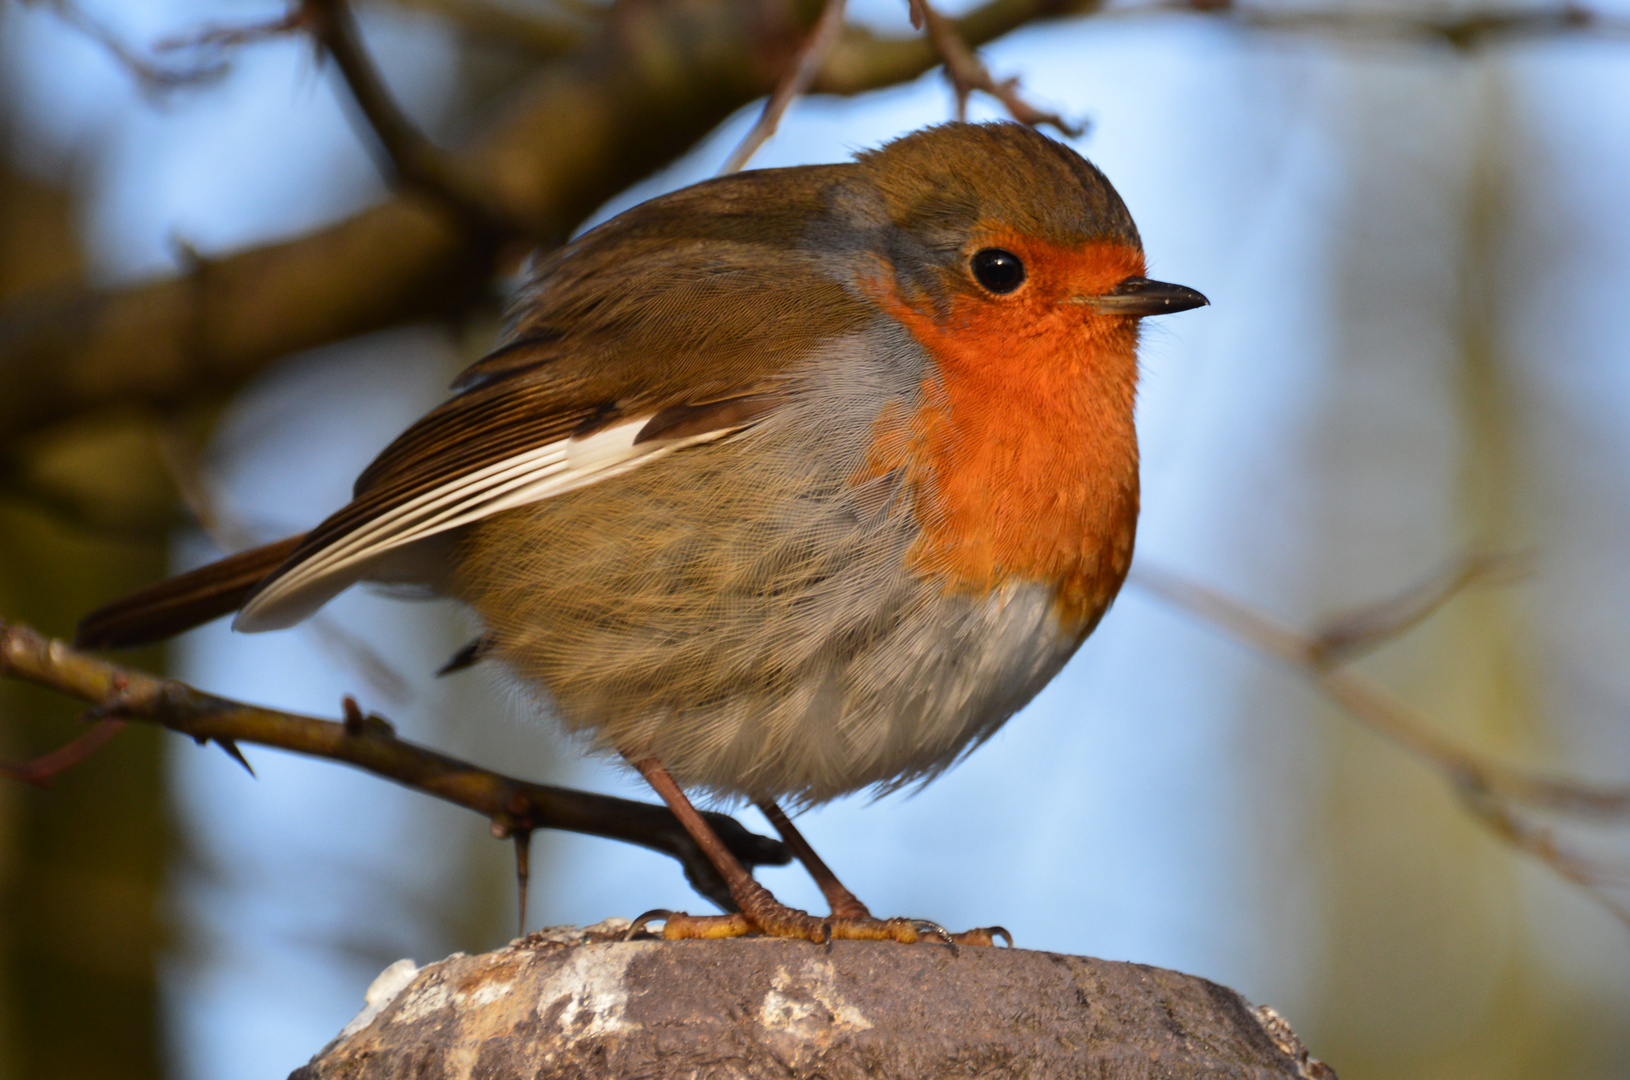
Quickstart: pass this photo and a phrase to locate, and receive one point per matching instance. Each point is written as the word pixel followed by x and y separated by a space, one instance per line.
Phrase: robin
pixel 786 485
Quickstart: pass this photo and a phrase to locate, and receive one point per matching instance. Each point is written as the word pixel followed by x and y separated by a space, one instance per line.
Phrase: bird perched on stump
pixel 786 485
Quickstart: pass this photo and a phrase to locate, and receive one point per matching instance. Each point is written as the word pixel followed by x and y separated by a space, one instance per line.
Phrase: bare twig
pixel 800 74
pixel 968 73
pixel 217 39
pixel 417 162
pixel 542 33
pixel 1540 842
pixel 368 742
pixel 1375 707
pixel 1486 788
pixel 1356 632
pixel 150 75
pixel 1463 32
pixel 43 769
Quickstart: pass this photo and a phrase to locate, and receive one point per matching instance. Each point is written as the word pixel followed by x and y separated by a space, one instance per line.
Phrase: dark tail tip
pixel 175 606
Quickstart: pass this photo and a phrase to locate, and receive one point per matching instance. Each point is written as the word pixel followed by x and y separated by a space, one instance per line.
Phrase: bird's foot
pixel 778 920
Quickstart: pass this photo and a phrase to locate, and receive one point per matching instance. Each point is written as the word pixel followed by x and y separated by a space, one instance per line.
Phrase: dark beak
pixel 1141 297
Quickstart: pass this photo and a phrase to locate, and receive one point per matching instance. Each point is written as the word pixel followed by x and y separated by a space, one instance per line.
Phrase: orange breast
pixel 1023 457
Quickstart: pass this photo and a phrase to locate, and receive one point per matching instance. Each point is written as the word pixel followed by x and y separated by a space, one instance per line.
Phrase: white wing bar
pixel 530 477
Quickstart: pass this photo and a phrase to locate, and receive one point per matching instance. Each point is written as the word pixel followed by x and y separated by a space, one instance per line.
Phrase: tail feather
pixel 181 603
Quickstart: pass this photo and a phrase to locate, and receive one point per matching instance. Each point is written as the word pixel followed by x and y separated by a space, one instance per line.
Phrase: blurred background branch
pixel 654 79
pixel 534 171
pixel 1489 790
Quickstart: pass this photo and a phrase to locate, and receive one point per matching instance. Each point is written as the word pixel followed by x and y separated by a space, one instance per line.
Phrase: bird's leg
pixel 759 909
pixel 847 910
pixel 844 904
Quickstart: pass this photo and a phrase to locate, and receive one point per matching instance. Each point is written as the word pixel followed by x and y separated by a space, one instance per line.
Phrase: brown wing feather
pixel 519 355
pixel 688 309
pixel 685 421
pixel 460 437
pixel 697 298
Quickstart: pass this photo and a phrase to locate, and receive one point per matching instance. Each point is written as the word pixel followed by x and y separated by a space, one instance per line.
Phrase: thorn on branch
pixel 509 803
pixel 355 722
pixel 471 654
pixel 968 73
pixel 362 725
pixel 232 751
pixel 191 262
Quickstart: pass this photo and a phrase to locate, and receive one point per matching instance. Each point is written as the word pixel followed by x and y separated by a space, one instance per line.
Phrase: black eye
pixel 997 270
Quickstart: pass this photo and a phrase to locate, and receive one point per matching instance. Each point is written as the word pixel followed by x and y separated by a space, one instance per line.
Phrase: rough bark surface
pixel 574 1005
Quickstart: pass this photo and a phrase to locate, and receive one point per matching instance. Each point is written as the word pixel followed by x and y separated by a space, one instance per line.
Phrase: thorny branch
pixel 1489 790
pixel 367 742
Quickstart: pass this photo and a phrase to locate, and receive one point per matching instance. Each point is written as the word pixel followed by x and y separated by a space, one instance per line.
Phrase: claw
pixel 938 931
pixel 983 935
pixel 639 924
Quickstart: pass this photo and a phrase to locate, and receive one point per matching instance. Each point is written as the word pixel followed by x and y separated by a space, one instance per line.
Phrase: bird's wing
pixel 671 326
pixel 475 470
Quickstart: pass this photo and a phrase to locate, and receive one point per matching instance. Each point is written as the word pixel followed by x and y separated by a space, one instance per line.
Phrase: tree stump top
pixel 579 1004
